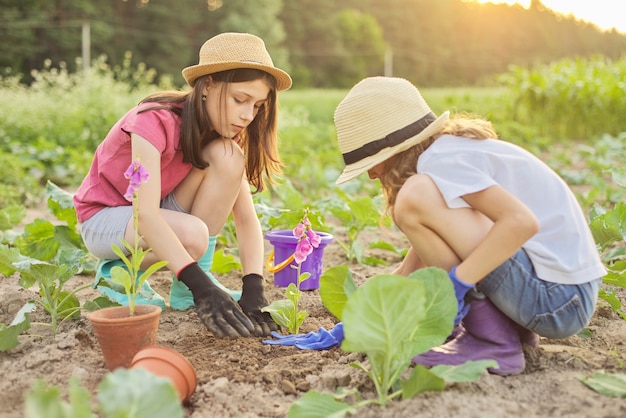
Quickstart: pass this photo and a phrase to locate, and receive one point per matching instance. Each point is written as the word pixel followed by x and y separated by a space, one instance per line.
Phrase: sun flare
pixel 602 13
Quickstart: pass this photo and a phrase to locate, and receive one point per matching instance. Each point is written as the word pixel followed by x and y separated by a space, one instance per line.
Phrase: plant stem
pixel 134 261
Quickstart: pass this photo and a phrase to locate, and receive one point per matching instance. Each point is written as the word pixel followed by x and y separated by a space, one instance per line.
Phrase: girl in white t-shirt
pixel 504 225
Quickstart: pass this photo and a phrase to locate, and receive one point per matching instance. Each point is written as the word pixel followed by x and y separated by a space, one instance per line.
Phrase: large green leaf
pixel 336 286
pixel 392 318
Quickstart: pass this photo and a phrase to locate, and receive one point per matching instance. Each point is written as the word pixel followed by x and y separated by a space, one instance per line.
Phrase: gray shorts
pixel 108 227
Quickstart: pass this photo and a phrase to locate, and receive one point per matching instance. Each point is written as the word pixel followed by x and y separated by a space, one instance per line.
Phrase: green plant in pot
pixel 122 331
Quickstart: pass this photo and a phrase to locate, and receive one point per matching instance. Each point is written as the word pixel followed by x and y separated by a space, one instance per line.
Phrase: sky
pixel 606 14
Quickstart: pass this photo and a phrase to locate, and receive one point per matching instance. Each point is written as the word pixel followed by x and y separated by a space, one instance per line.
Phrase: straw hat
pixel 379 118
pixel 230 50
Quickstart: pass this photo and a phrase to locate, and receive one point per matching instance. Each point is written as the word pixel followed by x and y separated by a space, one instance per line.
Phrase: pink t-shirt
pixel 105 184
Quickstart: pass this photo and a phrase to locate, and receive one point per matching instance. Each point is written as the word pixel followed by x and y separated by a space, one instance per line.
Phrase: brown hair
pixel 403 165
pixel 259 140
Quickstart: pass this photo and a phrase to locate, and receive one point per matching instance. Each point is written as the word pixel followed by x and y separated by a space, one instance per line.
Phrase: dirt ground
pixel 246 378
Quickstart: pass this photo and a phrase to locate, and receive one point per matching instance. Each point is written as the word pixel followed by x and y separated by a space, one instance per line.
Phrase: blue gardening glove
pixel 460 290
pixel 320 340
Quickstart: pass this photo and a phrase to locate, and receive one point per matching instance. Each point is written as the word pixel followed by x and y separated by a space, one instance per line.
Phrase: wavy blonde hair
pixel 403 165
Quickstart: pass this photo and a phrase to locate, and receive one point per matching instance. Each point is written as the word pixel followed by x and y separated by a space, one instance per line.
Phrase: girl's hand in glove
pixel 251 302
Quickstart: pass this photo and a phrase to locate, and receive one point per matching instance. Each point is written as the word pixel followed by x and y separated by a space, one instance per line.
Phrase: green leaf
pixel 150 271
pixel 46 274
pixel 8 256
pixel 38 240
pixel 391 313
pixel 303 277
pixel 392 318
pixel 224 263
pixel 61 204
pixel 421 380
pixel 612 385
pixel 441 306
pixel 619 176
pixel 319 405
pixel 466 372
pixel 69 306
pixel 336 286
pixel 613 300
pixel 281 311
pixel 609 227
pixel 365 211
pixel 99 303
pixel 44 401
pixel 126 390
pixel 121 276
pixel 11 216
pixel 385 245
pixel 8 335
pixel 293 294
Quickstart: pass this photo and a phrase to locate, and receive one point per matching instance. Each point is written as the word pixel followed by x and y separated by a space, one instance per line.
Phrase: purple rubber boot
pixel 487 334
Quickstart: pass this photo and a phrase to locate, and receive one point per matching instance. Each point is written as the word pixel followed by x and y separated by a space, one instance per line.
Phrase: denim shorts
pixel 108 226
pixel 552 310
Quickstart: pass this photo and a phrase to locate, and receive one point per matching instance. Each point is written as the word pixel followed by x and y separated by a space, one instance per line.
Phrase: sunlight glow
pixel 606 14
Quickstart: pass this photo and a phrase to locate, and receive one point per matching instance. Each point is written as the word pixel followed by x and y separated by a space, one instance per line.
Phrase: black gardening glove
pixel 252 300
pixel 216 309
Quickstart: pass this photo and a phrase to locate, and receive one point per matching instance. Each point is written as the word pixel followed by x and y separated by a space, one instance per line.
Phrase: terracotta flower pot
pixel 166 362
pixel 121 335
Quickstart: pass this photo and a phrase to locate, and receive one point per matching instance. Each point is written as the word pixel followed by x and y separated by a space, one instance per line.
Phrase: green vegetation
pixel 323 43
pixel 121 393
pixel 49 144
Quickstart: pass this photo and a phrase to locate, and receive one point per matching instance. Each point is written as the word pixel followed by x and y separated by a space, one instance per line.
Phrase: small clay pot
pixel 121 335
pixel 167 362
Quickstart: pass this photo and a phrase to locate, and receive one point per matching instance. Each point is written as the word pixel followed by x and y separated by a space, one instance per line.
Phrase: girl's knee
pixel 195 238
pixel 226 157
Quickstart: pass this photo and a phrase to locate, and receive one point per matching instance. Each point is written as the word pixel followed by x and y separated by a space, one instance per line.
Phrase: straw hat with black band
pixel 230 50
pixel 379 118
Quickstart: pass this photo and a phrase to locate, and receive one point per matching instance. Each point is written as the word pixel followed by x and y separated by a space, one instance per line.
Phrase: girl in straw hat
pixel 206 150
pixel 505 226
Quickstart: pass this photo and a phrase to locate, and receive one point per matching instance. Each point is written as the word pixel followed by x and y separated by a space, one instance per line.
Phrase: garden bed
pixel 244 377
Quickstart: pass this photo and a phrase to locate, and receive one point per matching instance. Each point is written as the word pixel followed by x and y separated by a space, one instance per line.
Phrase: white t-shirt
pixel 563 251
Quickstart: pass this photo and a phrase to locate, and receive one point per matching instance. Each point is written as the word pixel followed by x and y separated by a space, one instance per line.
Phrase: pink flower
pixel 137 174
pixel 303 249
pixel 298 231
pixel 314 238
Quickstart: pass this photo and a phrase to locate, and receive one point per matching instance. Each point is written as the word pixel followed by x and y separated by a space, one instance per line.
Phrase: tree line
pixel 322 43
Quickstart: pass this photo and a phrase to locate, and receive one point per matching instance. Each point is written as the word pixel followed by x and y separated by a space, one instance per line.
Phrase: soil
pixel 246 378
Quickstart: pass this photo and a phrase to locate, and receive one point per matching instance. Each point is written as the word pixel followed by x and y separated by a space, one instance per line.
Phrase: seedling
pixel 391 319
